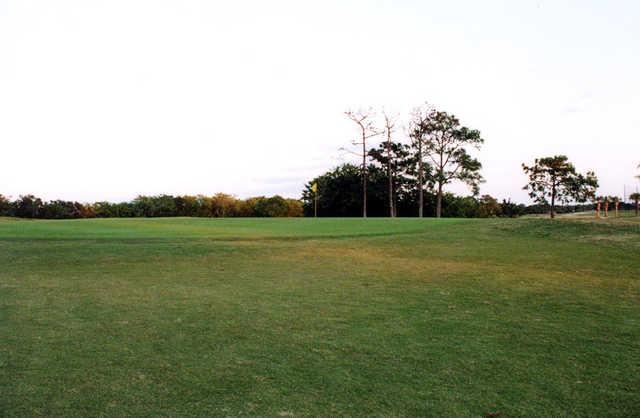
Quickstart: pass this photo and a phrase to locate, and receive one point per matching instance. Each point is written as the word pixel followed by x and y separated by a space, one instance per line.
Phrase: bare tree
pixel 389 129
pixel 366 126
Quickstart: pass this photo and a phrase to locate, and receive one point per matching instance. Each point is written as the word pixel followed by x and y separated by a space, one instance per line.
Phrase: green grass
pixel 319 317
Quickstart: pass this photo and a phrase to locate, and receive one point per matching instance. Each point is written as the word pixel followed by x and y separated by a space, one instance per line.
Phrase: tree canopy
pixel 445 142
pixel 217 206
pixel 555 180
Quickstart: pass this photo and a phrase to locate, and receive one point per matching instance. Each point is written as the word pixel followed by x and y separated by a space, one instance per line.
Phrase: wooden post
pixel 315 206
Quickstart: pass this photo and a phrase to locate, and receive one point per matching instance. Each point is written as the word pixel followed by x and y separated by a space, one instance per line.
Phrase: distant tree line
pixel 217 206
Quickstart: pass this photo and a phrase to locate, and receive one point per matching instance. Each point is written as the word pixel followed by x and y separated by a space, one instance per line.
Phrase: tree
pixel 272 207
pixel 389 126
pixel 28 206
pixel 419 118
pixel 340 192
pixel 396 160
pixel 555 178
pixel 116 210
pixel 155 206
pixel 364 120
pixel 636 198
pixel 488 207
pixel 223 205
pixel 294 208
pixel 60 209
pixel 512 210
pixel 445 143
pixel 6 208
pixel 186 205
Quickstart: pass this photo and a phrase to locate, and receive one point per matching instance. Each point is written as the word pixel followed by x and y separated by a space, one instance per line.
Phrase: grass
pixel 319 317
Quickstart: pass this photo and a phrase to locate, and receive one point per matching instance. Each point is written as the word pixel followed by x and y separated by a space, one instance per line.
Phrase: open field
pixel 329 317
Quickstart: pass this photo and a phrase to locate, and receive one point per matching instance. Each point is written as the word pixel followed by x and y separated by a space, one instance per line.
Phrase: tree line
pixel 435 154
pixel 405 175
pixel 217 206
pixel 341 199
pixel 340 196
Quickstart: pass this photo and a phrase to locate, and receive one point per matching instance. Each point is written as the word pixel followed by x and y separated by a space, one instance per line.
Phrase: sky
pixel 105 100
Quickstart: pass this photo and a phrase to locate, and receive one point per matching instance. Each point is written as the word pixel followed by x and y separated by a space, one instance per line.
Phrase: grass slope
pixel 332 317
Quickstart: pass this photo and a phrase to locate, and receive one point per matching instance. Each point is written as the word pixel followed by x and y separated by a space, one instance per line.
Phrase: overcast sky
pixel 104 100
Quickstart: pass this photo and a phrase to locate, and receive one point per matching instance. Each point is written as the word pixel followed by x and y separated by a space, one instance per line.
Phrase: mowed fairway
pixel 319 317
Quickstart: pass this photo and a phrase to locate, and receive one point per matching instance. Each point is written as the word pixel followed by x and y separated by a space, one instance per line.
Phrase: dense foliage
pixel 218 206
pixel 339 194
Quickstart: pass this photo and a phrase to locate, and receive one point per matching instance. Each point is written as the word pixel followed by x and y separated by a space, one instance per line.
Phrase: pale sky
pixel 104 100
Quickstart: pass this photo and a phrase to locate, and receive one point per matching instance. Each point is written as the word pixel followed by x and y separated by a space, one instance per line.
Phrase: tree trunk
pixel 553 201
pixel 440 174
pixel 395 202
pixel 392 212
pixel 420 181
pixel 364 175
pixel 439 204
